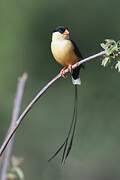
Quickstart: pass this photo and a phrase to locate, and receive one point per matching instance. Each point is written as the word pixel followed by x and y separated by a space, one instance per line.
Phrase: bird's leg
pixel 62 72
pixel 70 68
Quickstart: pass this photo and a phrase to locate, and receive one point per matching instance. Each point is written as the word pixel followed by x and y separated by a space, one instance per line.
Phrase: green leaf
pixel 117 66
pixel 19 173
pixel 118 44
pixel 103 45
pixel 105 61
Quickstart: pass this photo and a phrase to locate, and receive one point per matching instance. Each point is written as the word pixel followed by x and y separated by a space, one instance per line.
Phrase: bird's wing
pixel 76 50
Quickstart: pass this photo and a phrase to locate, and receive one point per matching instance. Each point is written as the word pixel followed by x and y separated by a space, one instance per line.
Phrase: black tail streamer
pixel 67 144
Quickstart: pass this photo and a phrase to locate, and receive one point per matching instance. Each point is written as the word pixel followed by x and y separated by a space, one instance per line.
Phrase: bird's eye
pixel 62 30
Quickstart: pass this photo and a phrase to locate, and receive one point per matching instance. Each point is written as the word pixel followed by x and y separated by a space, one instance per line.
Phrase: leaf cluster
pixel 112 53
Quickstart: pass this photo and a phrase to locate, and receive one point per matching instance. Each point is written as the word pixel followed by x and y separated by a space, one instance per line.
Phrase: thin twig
pixel 40 93
pixel 15 115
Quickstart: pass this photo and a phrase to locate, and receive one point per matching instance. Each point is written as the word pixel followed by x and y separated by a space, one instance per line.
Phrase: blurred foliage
pixel 25 35
pixel 15 172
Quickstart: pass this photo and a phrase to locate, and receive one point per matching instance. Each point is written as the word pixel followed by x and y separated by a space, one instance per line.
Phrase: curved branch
pixel 37 97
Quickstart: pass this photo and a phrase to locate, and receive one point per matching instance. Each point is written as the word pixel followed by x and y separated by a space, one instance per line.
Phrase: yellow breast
pixel 63 52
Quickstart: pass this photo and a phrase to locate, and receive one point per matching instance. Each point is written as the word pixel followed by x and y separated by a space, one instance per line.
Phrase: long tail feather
pixel 55 154
pixel 74 119
pixel 67 144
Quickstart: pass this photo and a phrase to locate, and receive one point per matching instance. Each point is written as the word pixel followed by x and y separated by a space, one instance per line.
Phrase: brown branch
pixel 37 97
pixel 15 115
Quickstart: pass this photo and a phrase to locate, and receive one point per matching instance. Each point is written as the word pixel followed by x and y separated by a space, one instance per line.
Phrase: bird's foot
pixel 62 72
pixel 70 68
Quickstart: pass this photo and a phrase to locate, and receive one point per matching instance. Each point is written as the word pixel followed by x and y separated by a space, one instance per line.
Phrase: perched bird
pixel 66 53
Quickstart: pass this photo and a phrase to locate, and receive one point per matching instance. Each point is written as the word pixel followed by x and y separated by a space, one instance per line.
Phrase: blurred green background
pixel 25 36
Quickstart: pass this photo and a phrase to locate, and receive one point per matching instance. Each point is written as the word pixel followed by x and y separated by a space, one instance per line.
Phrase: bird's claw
pixel 70 68
pixel 62 72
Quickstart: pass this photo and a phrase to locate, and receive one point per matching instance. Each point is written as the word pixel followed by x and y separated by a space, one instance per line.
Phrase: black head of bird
pixel 61 32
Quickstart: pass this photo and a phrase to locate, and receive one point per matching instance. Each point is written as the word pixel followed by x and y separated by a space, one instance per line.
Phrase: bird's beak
pixel 66 32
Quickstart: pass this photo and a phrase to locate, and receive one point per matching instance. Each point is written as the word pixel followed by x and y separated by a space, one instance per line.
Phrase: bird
pixel 66 53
